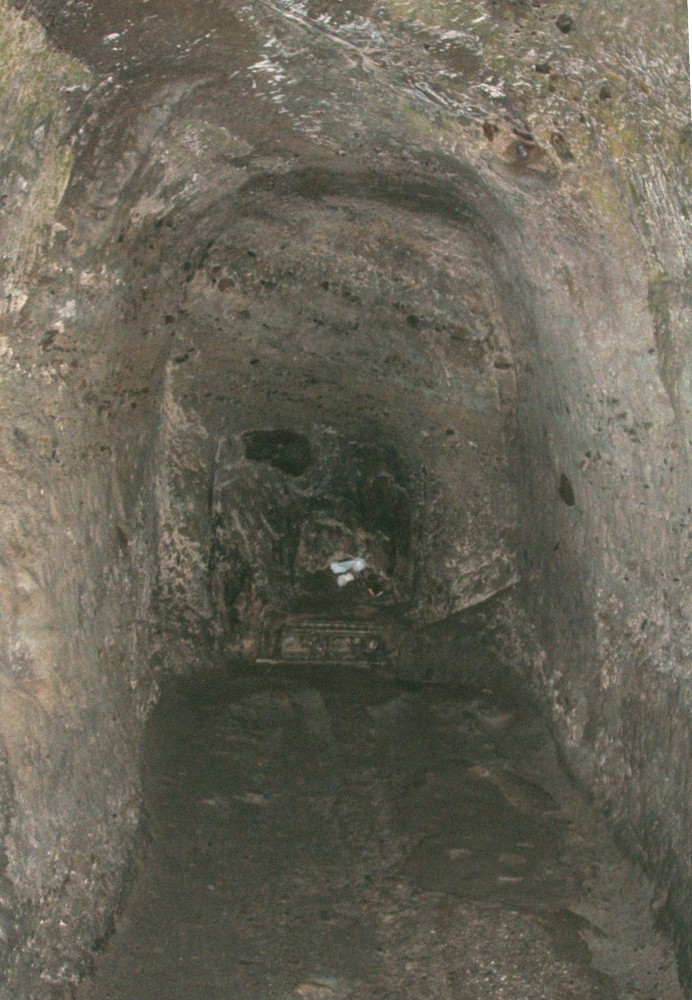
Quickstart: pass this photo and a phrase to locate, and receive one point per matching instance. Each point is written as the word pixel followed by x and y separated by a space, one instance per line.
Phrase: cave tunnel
pixel 344 553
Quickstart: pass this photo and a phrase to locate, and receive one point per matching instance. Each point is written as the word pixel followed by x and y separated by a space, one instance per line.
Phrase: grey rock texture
pixel 445 245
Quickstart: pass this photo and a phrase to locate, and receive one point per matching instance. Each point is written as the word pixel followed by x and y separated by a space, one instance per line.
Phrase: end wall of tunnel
pixel 476 321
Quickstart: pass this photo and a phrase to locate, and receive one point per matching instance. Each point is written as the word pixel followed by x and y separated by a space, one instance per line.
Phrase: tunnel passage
pixel 371 349
pixel 429 257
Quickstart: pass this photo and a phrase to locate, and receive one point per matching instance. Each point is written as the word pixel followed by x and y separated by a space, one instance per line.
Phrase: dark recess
pixel 288 451
pixel 566 491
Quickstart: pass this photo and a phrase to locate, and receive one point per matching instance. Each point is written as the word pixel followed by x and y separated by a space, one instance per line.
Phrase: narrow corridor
pixel 323 833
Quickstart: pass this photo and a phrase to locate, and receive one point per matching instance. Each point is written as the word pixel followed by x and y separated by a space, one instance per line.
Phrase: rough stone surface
pixel 327 833
pixel 447 246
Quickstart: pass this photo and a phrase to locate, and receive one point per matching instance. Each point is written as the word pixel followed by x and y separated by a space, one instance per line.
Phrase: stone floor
pixel 324 833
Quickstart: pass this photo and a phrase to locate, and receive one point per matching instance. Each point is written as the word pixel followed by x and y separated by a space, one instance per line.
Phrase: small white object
pixel 348 566
pixel 345 578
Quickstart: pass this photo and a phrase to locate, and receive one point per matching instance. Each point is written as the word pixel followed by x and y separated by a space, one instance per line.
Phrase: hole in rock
pixel 286 450
pixel 566 490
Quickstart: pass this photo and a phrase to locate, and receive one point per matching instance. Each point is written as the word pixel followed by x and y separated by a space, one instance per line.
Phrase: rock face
pixel 289 282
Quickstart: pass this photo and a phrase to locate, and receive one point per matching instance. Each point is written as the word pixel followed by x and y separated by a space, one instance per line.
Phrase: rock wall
pixel 78 560
pixel 457 233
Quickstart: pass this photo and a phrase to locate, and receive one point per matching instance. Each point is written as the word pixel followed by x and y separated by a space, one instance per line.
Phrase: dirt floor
pixel 324 833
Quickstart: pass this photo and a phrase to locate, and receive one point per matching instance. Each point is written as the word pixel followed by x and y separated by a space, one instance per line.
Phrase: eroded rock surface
pixel 444 246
